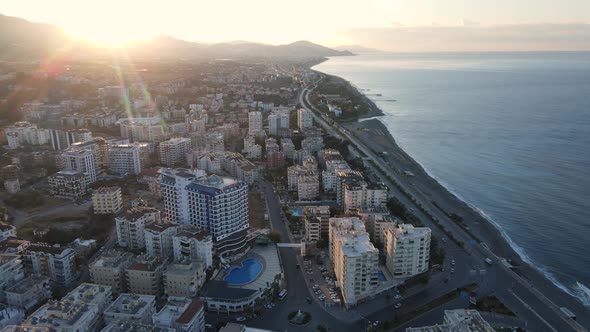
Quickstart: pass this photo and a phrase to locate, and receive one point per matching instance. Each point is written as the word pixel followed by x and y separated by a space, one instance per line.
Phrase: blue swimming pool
pixel 246 273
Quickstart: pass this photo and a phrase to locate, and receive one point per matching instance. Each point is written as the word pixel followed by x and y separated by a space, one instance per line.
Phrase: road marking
pixel 533 311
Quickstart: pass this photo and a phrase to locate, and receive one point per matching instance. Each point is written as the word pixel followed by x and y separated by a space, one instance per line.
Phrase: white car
pixel 452 270
pixel 399 305
pixel 240 319
pixel 453 262
pixel 397 297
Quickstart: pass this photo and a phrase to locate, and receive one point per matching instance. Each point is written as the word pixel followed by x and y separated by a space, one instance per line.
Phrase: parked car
pixel 240 319
pixel 399 305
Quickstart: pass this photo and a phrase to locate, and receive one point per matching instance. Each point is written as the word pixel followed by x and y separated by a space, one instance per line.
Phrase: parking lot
pixel 322 282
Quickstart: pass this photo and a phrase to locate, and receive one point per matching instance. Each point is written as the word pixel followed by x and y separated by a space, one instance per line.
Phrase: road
pixel 276 318
pixel 474 254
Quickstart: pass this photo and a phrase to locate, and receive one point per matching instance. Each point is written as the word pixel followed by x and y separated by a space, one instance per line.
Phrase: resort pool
pixel 246 273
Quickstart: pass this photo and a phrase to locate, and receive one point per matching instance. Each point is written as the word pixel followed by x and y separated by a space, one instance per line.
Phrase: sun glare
pixel 108 34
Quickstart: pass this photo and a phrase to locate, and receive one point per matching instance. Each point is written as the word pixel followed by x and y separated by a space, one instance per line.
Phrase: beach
pixel 375 134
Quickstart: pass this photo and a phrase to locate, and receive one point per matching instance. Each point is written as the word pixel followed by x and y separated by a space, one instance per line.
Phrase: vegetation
pixel 26 199
pixel 275 237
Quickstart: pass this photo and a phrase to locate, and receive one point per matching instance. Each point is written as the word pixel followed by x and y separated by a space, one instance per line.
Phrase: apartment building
pixel 215 142
pixel 11 271
pixel 304 119
pixel 322 212
pixel 29 292
pixel 278 121
pixel 255 123
pixel 107 200
pixel 173 151
pixel 313 226
pixel 184 278
pixel 68 184
pixel 145 276
pixel 125 159
pixel 462 320
pixel 58 263
pixel 193 244
pixel 66 315
pixel 131 226
pixel 99 295
pixel 109 270
pixel 80 159
pixel 184 315
pixel 131 308
pixel 308 186
pixel 173 183
pixel 355 259
pixel 407 250
pixel 158 239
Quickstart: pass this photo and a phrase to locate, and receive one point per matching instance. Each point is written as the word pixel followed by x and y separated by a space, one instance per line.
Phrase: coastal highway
pixel 540 313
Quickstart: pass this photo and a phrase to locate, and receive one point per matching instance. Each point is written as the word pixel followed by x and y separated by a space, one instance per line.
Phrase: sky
pixel 395 25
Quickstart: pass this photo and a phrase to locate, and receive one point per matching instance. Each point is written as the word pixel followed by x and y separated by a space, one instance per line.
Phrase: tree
pixel 321 244
pixel 275 237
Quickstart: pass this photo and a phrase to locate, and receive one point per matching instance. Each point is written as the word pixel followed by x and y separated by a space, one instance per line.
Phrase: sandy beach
pixel 370 129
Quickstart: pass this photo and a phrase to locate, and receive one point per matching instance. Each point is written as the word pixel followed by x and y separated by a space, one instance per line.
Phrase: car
pixel 397 296
pixel 399 305
pixel 453 262
pixel 240 319
pixel 376 323
pixel 452 270
pixel 316 286
pixel 268 306
pixel 308 300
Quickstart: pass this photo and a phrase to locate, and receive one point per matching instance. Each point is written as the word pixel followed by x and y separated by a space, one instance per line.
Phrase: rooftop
pixel 131 304
pixel 25 285
pixel 118 326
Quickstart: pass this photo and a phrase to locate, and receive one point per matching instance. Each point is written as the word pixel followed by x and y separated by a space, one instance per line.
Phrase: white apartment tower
pixel 173 152
pixel 125 159
pixel 255 123
pixel 173 183
pixel 355 259
pixel 407 249
pixel 80 160
pixel 277 121
pixel 304 119
pixel 131 226
pixel 193 244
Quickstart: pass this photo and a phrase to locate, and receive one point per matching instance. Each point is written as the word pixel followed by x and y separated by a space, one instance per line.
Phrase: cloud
pixel 518 37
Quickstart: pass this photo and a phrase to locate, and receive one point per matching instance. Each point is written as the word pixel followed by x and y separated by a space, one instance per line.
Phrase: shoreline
pixel 369 127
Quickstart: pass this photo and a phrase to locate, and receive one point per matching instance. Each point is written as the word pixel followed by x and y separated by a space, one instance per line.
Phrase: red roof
pixel 190 312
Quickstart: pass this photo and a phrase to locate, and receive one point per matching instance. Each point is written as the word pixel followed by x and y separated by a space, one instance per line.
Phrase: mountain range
pixel 24 40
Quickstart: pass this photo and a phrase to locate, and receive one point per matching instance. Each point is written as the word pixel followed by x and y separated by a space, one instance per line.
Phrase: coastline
pixel 370 128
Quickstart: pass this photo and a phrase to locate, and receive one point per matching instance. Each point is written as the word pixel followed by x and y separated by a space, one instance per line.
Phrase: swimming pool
pixel 246 273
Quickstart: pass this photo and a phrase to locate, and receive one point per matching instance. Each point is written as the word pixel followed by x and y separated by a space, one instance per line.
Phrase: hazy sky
pixel 418 24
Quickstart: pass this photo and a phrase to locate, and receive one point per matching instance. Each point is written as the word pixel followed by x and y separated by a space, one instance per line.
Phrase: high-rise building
pixel 304 118
pixel 145 276
pixel 58 263
pixel 173 151
pixel 278 121
pixel 107 200
pixel 131 226
pixel 68 184
pixel 193 244
pixel 216 204
pixel 158 239
pixel 109 269
pixel 407 250
pixel 81 160
pixel 125 159
pixel 255 123
pixel 355 259
pixel 173 183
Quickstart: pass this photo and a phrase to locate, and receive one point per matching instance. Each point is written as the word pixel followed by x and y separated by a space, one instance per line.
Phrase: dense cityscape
pixel 243 194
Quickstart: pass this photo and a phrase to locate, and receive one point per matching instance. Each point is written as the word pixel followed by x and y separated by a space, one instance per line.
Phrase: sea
pixel 508 133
